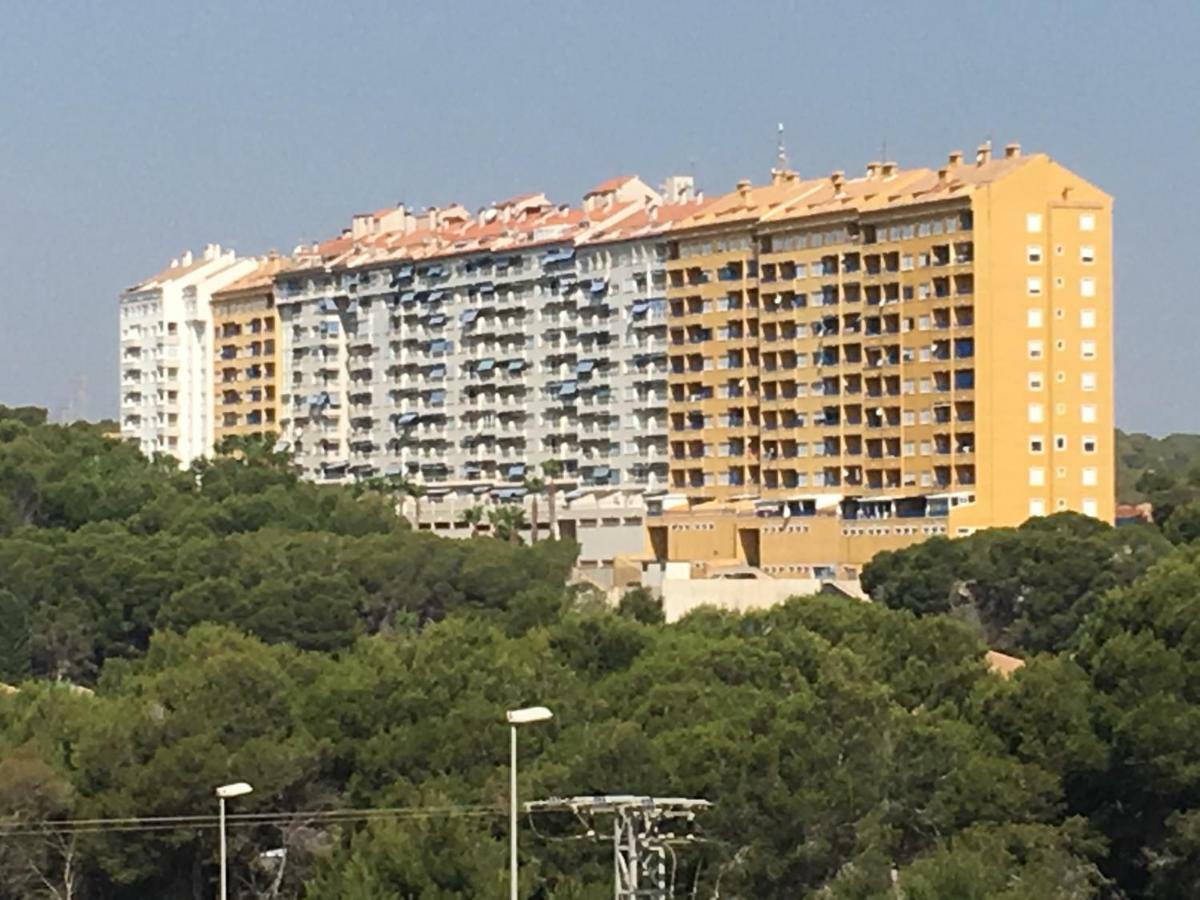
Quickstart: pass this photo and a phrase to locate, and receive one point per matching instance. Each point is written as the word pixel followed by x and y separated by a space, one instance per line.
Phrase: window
pixel 1036 413
pixel 1037 507
pixel 1087 413
pixel 1060 472
pixel 1087 287
pixel 1034 318
pixel 1088 349
pixel 1087 318
pixel 1037 444
pixel 1087 254
pixel 923 323
pixel 1091 508
pixel 1089 444
pixel 1060 377
pixel 1033 254
pixel 1089 476
pixel 1087 222
pixel 1033 286
pixel 1033 223
pixel 1060 503
pixel 1035 349
pixel 1035 381
pixel 1037 476
pixel 1060 442
pixel 1060 344
pixel 1087 381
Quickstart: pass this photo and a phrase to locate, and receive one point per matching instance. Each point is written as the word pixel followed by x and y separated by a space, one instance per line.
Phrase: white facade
pixel 167 354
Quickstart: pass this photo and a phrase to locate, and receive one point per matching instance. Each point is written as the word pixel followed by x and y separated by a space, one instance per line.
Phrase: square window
pixel 1035 349
pixel 1037 507
pixel 1087 381
pixel 1034 318
pixel 1036 413
pixel 1087 287
pixel 1060 344
pixel 1060 442
pixel 1060 503
pixel 1087 222
pixel 1089 476
pixel 1037 444
pixel 1035 381
pixel 1060 377
pixel 1088 349
pixel 1087 413
pixel 1033 253
pixel 1087 254
pixel 1060 313
pixel 1037 476
pixel 1089 444
pixel 1033 223
pixel 1091 508
pixel 1087 318
pixel 1033 285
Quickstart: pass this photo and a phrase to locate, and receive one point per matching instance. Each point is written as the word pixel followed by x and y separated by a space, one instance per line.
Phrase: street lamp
pixel 527 716
pixel 225 792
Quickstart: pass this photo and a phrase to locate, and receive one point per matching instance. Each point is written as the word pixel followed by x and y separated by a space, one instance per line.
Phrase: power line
pixel 245 820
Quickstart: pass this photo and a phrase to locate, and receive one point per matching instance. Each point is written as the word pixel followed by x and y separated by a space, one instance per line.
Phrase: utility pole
pixel 643 831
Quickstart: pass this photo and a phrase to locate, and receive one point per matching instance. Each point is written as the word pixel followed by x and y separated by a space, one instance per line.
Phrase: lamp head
pixel 237 789
pixel 528 715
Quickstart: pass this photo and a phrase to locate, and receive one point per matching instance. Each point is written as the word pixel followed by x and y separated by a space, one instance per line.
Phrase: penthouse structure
pixel 859 363
pixel 166 354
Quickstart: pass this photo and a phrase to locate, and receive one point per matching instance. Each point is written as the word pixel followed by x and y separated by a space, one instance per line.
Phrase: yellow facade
pixel 246 350
pixel 858 364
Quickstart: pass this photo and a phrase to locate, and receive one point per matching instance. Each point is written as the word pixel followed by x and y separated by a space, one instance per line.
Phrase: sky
pixel 130 131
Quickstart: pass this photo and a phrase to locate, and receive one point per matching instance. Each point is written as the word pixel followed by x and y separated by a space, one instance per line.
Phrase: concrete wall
pixel 681 596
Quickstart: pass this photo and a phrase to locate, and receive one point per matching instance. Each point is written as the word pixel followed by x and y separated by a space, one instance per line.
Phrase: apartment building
pixel 166 354
pixel 859 363
pixel 246 354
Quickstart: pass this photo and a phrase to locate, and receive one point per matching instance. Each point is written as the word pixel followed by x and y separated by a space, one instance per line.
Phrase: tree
pixel 416 490
pixel 38 859
pixel 474 517
pixel 507 521
pixel 15 659
pixel 1183 525
pixel 641 605
pixel 534 486
pixel 552 470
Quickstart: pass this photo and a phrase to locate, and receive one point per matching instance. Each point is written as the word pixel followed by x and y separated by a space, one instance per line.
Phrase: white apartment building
pixel 166 354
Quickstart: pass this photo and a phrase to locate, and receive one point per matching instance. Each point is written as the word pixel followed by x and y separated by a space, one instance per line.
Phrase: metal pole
pixel 224 890
pixel 512 818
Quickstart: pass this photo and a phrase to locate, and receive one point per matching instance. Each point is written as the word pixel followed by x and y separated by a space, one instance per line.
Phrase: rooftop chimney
pixel 983 154
pixel 955 157
pixel 838 179
pixel 743 189
pixel 888 169
pixel 873 169
pixel 943 174
pixel 186 259
pixel 1012 151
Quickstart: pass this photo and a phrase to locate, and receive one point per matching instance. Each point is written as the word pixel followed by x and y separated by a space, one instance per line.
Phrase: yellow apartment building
pixel 859 363
pixel 247 368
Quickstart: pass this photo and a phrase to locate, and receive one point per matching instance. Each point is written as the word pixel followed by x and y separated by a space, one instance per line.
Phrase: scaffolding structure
pixel 642 830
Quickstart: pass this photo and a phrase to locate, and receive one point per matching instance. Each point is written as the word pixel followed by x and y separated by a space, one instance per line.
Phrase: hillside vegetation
pixel 234 623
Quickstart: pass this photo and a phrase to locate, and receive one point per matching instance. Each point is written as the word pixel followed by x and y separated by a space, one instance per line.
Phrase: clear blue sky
pixel 132 130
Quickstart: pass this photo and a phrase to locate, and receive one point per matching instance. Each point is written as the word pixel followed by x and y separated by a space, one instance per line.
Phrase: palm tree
pixel 552 469
pixel 473 517
pixel 535 486
pixel 507 521
pixel 416 491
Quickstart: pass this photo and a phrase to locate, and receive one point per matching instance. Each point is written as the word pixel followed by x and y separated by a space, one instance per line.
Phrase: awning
pixel 509 493
pixel 598 285
pixel 438 346
pixel 438 371
pixel 486 287
pixel 516 470
pixel 639 308
pixel 437 320
pixel 435 296
pixel 567 389
pixel 600 472
pixel 468 316
pixel 562 254
pixel 481 489
pixel 406 418
pixel 393 470
pixel 584 366
pixel 435 272
pixel 516 365
pixel 485 365
pixel 404 272
pixel 471 468
pixel 437 396
pixel 408 296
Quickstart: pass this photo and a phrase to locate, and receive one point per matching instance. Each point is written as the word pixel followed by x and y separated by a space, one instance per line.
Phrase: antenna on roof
pixel 883 150
pixel 781 152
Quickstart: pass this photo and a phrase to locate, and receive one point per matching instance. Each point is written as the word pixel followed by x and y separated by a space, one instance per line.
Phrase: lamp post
pixel 225 792
pixel 527 716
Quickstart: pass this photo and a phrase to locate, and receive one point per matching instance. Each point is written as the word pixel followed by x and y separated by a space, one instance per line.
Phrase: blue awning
pixel 584 366
pixel 485 365
pixel 437 395
pixel 406 418
pixel 471 468
pixel 404 272
pixel 562 254
pixel 435 272
pixel 408 296
pixel 598 285
pixel 438 371
pixel 516 470
pixel 468 316
pixel 516 365
pixel 435 296
pixel 600 472
pixel 437 320
pixel 567 389
pixel 639 308
pixel 393 470
pixel 326 305
pixel 486 288
pixel 438 346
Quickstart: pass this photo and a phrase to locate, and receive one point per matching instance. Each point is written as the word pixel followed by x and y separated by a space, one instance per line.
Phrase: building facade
pixel 857 364
pixel 246 355
pixel 166 354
